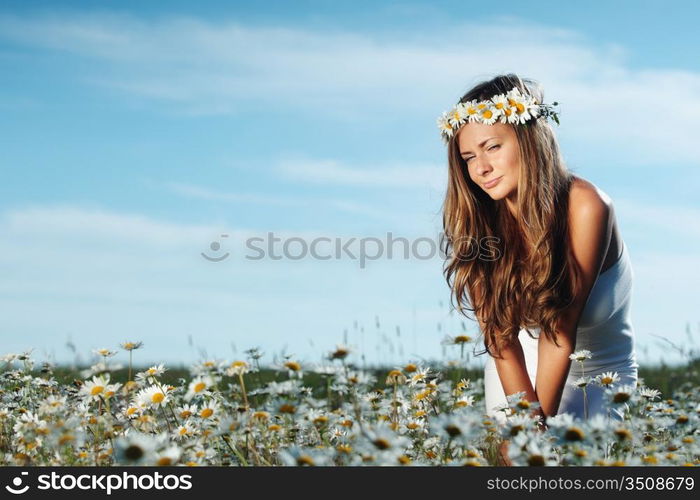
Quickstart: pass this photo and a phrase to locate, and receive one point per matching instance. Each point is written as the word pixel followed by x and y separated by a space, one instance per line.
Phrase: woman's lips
pixel 493 182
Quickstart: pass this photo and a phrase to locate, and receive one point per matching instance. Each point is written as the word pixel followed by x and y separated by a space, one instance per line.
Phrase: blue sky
pixel 135 134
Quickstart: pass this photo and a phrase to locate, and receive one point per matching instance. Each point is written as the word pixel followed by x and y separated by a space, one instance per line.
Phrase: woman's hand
pixel 542 426
pixel 503 458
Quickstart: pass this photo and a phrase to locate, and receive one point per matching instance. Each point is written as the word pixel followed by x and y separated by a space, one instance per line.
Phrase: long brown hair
pixel 513 290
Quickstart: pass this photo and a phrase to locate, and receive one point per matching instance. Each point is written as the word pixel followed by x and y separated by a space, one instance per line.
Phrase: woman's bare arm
pixel 513 372
pixel 511 369
pixel 590 230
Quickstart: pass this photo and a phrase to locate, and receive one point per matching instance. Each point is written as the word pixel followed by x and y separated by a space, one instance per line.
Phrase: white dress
pixel 605 329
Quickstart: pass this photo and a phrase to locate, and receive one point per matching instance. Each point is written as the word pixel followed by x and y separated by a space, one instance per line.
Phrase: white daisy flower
pixel 152 396
pixel 131 346
pixel 186 411
pixel 487 113
pixel 237 368
pixel 458 115
pixel 607 379
pixel 198 385
pixel 304 456
pixel 209 410
pixel 532 107
pixel 155 371
pixel 52 404
pixel 135 449
pixel 150 374
pixel 168 456
pixel 419 376
pixel 104 352
pixel 293 368
pixel 395 376
pixel 649 394
pixel 621 394
pixel 523 106
pixel 132 411
pixel 93 389
pixel 341 352
pixel 500 102
pixel 443 123
pixel 580 355
pixel 464 401
pixel 581 382
pixel 471 110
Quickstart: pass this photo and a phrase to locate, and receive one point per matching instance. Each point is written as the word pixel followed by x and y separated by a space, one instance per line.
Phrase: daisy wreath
pixel 513 107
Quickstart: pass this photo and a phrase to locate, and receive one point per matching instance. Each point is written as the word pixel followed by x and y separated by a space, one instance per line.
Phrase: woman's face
pixel 491 152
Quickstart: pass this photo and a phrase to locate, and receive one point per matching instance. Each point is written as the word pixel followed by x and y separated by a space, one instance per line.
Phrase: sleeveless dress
pixel 605 329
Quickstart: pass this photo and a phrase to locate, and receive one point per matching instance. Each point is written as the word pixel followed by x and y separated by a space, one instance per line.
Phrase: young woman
pixel 535 251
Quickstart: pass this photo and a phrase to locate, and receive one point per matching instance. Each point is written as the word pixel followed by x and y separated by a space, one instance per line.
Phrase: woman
pixel 535 251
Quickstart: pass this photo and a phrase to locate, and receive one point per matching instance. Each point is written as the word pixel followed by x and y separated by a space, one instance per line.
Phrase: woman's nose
pixel 482 165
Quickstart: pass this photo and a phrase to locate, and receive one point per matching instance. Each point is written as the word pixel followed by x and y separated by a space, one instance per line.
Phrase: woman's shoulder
pixel 585 197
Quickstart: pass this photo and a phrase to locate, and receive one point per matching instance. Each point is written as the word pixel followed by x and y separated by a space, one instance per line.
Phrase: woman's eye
pixel 494 146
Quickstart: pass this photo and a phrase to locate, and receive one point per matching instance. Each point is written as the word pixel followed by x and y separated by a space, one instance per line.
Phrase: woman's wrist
pixel 540 416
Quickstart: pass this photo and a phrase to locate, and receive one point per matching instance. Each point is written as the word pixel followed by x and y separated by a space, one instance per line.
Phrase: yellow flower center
pixel 158 397
pixel 381 443
pixel 305 460
pixel 199 387
pixel 287 408
pixel 621 397
pixel 574 434
pixel 206 413
pixel 96 390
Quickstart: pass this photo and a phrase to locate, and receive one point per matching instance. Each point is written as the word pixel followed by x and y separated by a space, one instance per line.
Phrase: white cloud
pixel 103 277
pixel 202 193
pixel 224 67
pixel 377 176
pixel 662 220
pixel 351 206
pixel 65 220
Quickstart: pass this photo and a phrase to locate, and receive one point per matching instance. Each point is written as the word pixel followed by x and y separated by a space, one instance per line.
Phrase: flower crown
pixel 512 107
